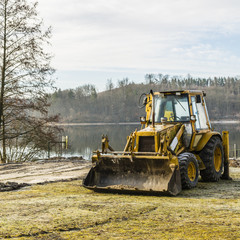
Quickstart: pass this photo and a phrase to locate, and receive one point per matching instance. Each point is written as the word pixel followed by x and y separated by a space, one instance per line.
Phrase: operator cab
pixel 186 107
pixel 180 107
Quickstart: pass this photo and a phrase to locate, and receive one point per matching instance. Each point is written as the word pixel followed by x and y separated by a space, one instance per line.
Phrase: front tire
pixel 212 157
pixel 188 169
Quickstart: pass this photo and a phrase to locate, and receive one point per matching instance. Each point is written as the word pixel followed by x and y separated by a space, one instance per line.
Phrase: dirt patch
pixel 42 171
pixel 234 163
pixel 10 186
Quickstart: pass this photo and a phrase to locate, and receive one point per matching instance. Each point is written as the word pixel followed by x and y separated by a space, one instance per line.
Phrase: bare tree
pixel 123 83
pixel 150 78
pixel 109 85
pixel 25 76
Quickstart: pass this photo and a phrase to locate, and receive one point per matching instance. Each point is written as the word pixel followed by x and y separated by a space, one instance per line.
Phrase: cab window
pixel 173 107
pixel 198 111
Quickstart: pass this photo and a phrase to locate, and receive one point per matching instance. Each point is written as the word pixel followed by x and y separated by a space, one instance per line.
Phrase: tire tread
pixel 184 159
pixel 207 154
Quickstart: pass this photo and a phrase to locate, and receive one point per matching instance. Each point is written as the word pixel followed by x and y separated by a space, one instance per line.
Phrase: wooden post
pixel 66 142
pixel 234 151
pixel 63 142
pixel 49 149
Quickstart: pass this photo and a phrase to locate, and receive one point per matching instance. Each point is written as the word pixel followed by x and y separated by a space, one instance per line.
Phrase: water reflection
pixel 85 139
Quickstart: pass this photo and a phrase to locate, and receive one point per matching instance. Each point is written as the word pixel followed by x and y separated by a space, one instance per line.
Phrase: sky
pixel 96 40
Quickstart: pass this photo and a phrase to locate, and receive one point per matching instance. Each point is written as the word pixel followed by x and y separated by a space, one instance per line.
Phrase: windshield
pixel 174 108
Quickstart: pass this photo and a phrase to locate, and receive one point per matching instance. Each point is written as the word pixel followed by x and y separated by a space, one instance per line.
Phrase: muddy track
pixel 15 176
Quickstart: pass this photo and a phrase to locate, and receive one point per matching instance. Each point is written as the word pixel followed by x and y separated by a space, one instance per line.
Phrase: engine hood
pixel 160 128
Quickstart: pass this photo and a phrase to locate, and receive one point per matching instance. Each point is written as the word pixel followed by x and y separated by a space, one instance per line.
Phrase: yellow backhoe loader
pixel 175 143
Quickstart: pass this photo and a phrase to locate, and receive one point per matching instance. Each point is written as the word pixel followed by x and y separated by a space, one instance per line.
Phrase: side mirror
pixel 193 118
pixel 142 102
pixel 143 120
pixel 198 99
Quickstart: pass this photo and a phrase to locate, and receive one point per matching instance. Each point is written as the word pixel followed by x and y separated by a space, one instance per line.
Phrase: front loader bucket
pixel 127 174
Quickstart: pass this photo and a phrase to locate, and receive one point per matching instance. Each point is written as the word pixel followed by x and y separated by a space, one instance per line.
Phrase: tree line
pixel 119 102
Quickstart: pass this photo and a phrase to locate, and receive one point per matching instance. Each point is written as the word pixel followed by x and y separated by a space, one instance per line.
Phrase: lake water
pixel 83 140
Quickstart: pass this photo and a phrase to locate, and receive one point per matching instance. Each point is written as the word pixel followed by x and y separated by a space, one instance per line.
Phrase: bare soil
pixel 16 175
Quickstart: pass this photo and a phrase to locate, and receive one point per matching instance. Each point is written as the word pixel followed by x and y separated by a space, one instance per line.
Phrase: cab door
pixel 201 124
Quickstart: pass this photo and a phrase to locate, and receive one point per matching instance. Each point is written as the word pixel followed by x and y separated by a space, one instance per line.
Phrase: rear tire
pixel 188 169
pixel 212 157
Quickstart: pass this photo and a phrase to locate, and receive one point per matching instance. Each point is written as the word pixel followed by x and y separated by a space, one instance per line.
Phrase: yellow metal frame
pixel 164 137
pixel 225 141
pixel 206 135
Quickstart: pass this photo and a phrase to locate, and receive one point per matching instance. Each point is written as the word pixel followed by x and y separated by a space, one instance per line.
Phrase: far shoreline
pixel 134 123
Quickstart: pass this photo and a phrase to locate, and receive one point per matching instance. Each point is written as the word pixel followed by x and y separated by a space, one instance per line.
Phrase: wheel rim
pixel 218 159
pixel 191 171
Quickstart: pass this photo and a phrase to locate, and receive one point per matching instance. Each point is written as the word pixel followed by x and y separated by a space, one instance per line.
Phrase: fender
pixel 205 138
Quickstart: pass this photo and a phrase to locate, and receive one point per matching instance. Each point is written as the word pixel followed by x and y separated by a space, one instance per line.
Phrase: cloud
pixel 164 35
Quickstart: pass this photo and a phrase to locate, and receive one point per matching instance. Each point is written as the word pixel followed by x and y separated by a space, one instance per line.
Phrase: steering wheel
pixel 172 118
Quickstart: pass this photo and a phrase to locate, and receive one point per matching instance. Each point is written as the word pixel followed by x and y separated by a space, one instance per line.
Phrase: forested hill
pixel 119 104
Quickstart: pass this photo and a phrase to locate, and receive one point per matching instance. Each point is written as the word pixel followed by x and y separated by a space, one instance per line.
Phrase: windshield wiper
pixel 181 105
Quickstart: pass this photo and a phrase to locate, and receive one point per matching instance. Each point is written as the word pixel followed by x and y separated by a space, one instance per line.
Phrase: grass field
pixel 66 210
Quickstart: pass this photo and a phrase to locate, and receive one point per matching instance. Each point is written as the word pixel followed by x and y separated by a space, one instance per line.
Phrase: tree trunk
pixel 2 127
